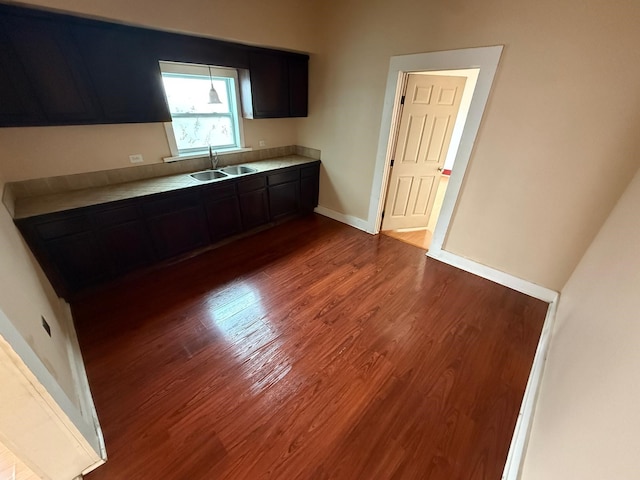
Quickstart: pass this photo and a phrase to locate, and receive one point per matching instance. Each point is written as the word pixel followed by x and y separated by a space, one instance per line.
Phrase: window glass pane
pixel 190 93
pixel 198 132
pixel 197 124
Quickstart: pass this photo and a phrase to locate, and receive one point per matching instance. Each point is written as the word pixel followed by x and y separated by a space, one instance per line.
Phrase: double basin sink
pixel 224 172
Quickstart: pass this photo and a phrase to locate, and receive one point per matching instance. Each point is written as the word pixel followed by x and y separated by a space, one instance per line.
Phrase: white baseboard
pixel 502 278
pixel 88 408
pixel 515 457
pixel 355 222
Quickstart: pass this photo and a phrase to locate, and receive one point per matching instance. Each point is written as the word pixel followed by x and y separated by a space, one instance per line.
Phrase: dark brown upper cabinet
pixel 298 67
pixel 65 70
pixel 125 74
pixel 174 47
pixel 275 85
pixel 18 105
pixel 46 79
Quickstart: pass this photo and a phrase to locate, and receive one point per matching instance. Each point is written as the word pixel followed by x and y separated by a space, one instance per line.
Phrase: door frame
pixel 485 59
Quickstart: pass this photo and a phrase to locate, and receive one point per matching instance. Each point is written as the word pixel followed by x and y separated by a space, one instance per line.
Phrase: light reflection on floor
pixel 239 315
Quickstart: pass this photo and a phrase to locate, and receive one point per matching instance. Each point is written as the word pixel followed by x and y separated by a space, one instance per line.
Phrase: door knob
pixel 439 169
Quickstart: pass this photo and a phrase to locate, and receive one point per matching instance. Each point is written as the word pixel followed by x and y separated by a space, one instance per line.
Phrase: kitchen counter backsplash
pixel 20 193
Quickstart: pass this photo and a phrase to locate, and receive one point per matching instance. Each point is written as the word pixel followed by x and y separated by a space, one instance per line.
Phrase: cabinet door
pixel 177 224
pixel 298 85
pixel 18 105
pixel 284 198
pixel 124 72
pixel 51 63
pixel 79 259
pixel 127 245
pixel 124 237
pixel 284 192
pixel 309 186
pixel 254 208
pixel 223 211
pixel 269 76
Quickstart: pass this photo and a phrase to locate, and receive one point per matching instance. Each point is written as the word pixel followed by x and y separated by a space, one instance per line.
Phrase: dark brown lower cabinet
pixel 284 187
pixel 223 212
pixel 128 246
pixel 87 246
pixel 177 223
pixel 284 200
pixel 254 206
pixel 79 260
pixel 309 187
pixel 124 236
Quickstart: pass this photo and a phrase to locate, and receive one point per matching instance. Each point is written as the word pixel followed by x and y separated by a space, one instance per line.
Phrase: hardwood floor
pixel 309 351
pixel 417 238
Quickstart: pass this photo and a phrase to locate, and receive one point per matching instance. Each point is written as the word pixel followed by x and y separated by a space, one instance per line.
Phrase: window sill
pixel 204 154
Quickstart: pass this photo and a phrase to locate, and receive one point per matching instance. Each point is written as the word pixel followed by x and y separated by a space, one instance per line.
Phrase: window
pixel 197 123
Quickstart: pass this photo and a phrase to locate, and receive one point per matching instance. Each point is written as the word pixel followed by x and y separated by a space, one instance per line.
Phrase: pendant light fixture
pixel 213 95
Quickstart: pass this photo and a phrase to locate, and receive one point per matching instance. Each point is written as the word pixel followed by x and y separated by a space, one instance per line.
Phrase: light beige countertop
pixel 43 204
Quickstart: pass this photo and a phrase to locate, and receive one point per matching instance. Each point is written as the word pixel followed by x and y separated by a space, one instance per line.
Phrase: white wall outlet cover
pixel 137 158
pixel 262 143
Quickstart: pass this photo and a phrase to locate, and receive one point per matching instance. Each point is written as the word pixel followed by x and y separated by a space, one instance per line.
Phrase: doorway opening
pixel 433 108
pixel 483 62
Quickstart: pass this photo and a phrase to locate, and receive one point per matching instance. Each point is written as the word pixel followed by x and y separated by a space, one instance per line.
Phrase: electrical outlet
pixel 46 326
pixel 137 158
pixel 262 143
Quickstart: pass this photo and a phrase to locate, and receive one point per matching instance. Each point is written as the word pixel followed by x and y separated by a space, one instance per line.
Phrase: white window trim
pixel 195 69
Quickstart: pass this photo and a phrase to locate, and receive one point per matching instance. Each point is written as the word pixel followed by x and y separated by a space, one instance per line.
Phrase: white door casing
pixel 485 61
pixel 426 123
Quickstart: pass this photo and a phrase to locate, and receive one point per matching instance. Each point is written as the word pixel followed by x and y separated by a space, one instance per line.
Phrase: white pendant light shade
pixel 213 95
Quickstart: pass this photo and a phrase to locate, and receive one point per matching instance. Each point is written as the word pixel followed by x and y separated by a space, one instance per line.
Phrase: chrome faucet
pixel 213 157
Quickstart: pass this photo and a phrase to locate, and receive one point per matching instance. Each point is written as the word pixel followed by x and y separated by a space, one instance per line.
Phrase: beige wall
pixel 557 143
pixel 36 152
pixel 25 295
pixel 289 24
pixel 586 424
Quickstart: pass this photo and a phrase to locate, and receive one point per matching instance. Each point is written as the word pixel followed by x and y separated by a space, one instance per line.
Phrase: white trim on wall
pixel 350 220
pixel 484 58
pixel 45 398
pixel 497 276
pixel 515 457
pixel 88 408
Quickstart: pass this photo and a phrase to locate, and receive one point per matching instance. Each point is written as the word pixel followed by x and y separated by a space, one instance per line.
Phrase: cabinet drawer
pixel 62 227
pixel 116 216
pixel 219 191
pixel 170 203
pixel 311 171
pixel 288 176
pixel 251 184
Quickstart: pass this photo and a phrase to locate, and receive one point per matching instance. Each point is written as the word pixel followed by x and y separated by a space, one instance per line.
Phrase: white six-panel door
pixel 424 133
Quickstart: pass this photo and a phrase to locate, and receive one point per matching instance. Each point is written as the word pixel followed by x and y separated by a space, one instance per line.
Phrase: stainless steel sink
pixel 209 175
pixel 237 170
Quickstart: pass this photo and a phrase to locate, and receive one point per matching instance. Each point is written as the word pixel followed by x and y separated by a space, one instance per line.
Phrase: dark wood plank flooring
pixel 309 351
